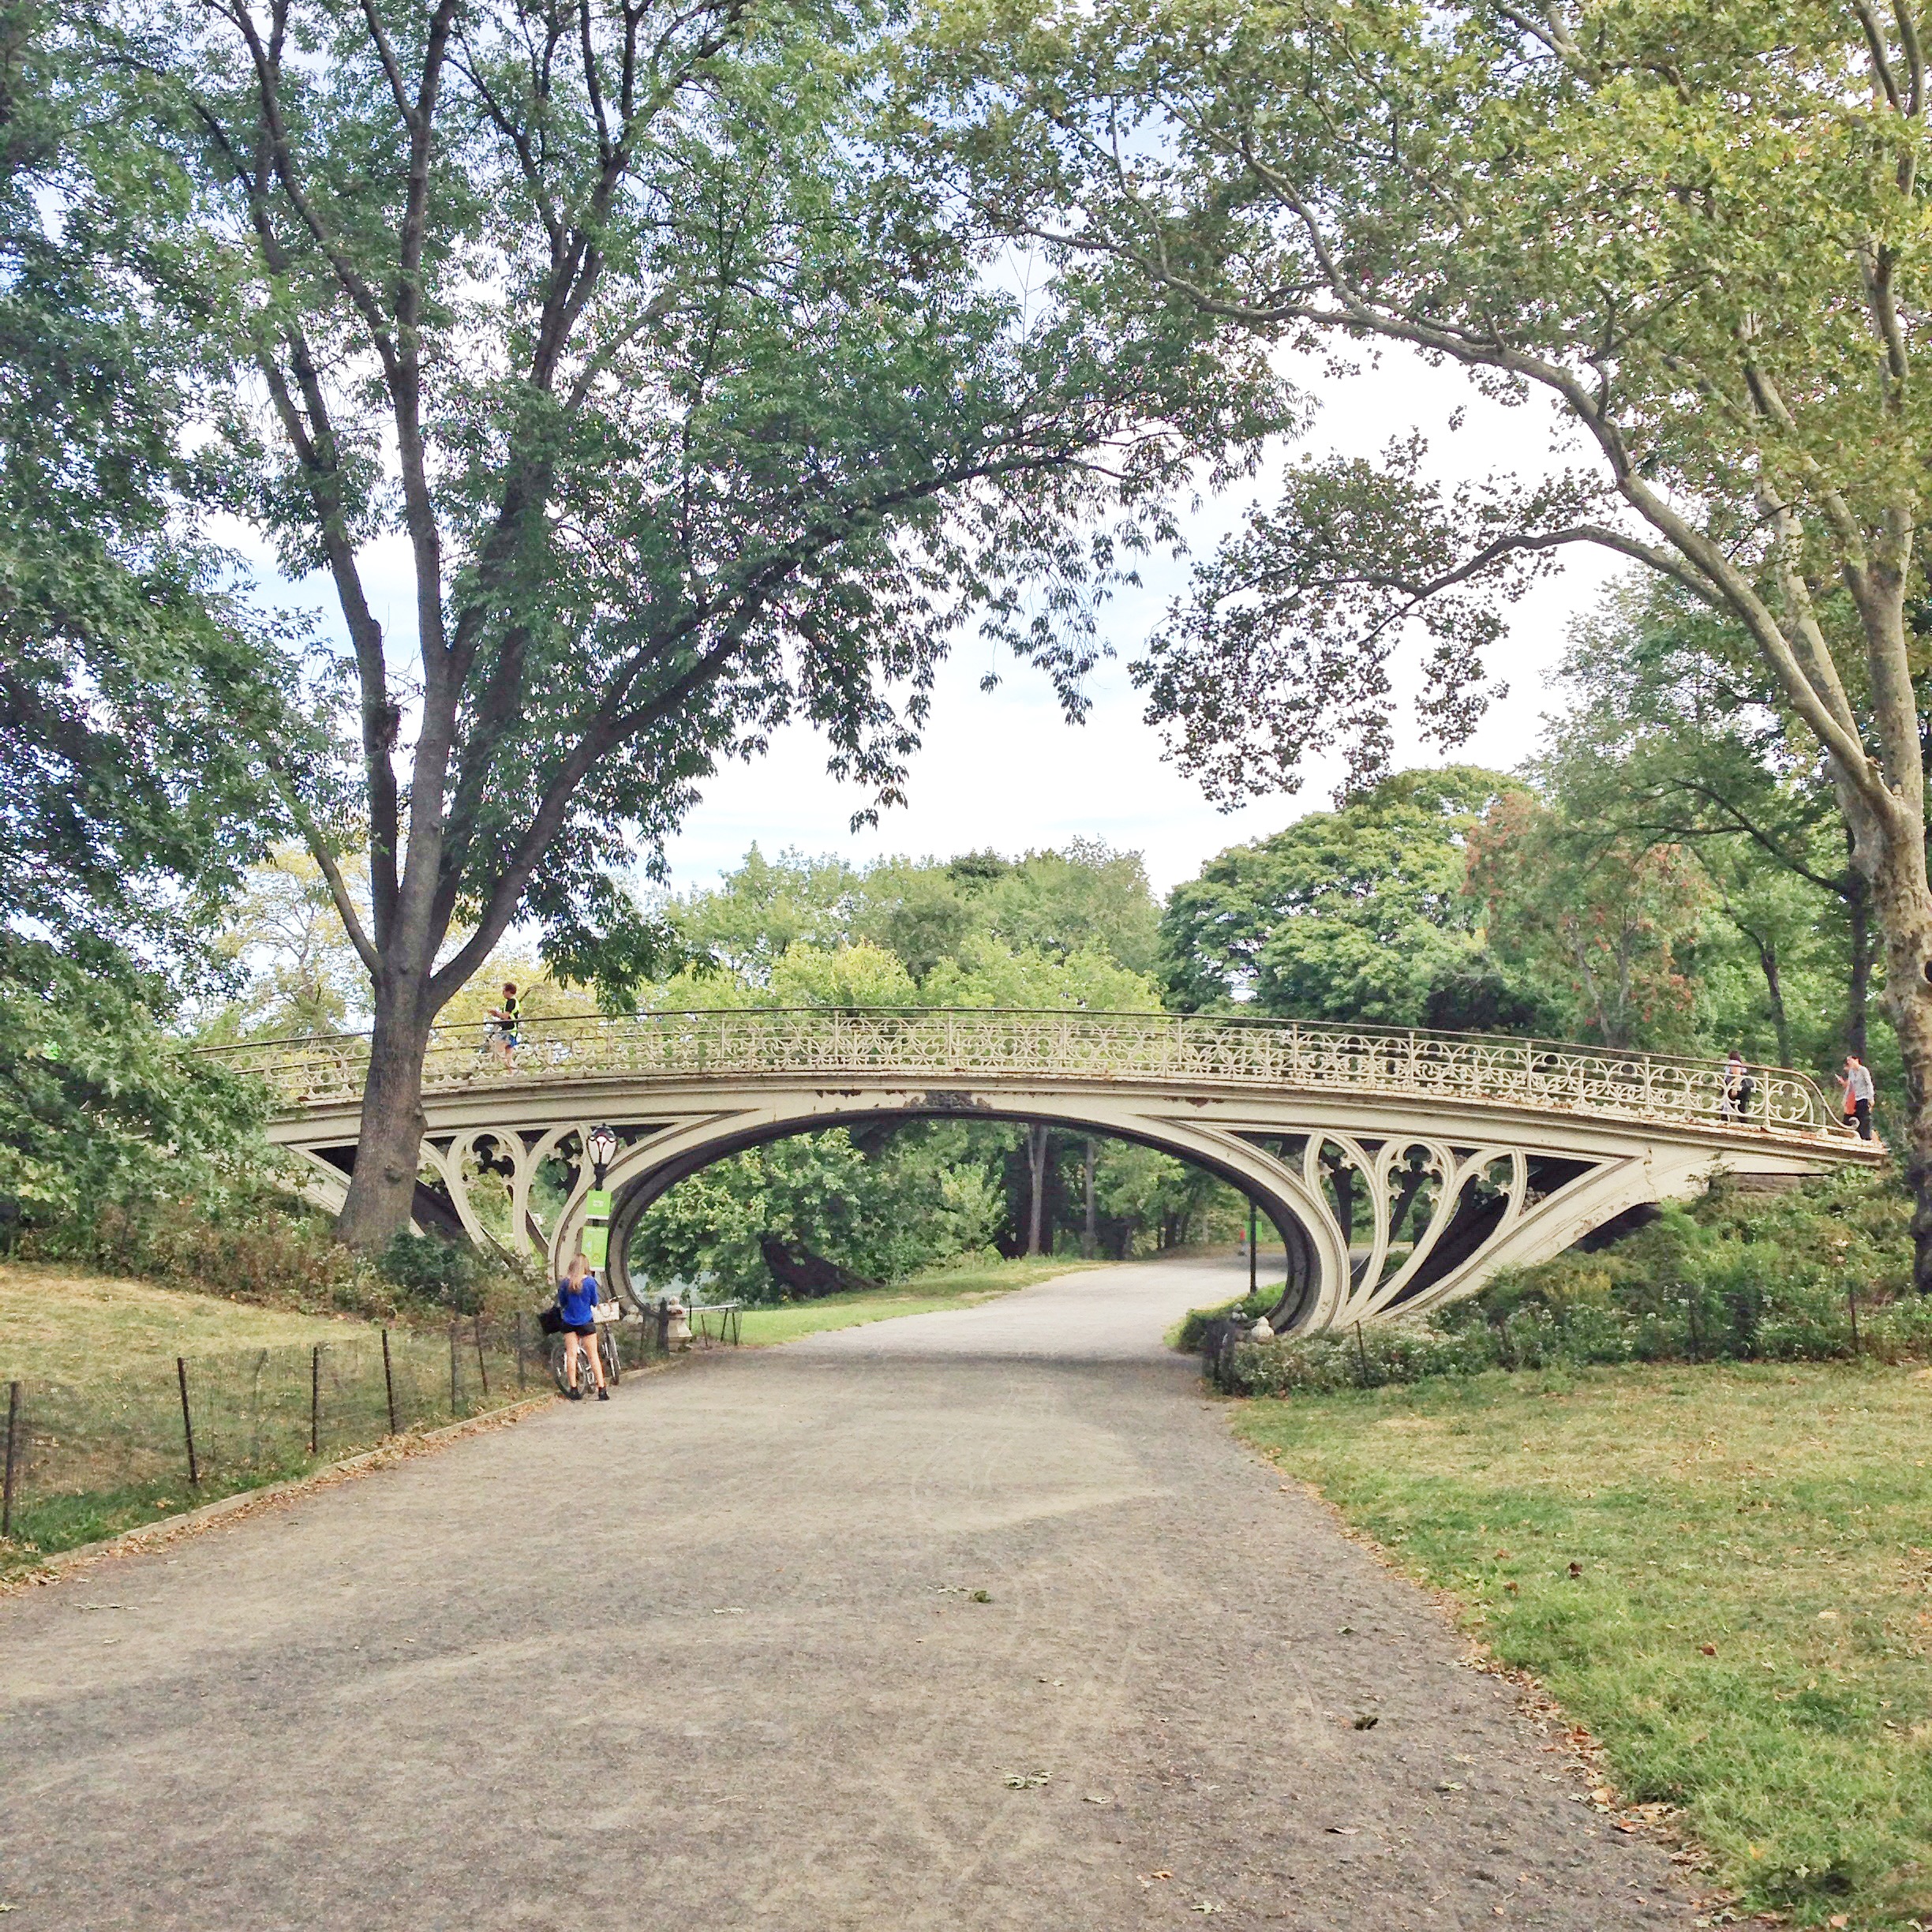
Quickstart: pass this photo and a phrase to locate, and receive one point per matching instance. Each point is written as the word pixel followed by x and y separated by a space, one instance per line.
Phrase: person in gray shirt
pixel 1856 1081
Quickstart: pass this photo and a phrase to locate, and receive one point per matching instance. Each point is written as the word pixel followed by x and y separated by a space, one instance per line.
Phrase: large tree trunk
pixel 1904 907
pixel 1089 1242
pixel 1858 980
pixel 1774 995
pixel 1036 1174
pixel 389 1147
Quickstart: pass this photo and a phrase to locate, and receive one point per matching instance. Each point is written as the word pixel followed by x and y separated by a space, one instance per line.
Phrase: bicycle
pixel 604 1341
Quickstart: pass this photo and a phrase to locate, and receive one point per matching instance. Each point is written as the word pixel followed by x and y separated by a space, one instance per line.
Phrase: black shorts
pixel 580 1328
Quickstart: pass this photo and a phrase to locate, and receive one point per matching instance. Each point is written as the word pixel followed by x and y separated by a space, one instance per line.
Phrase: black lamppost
pixel 603 1151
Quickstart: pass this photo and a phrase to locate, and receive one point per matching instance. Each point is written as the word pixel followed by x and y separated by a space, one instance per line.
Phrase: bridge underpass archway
pixel 648 1168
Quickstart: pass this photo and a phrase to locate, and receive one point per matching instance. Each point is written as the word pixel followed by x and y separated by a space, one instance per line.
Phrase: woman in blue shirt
pixel 577 1299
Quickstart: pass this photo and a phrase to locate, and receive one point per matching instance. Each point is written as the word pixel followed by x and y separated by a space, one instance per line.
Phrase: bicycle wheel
pixel 607 1343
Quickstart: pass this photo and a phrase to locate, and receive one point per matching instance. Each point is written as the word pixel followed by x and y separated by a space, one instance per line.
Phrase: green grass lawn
pixel 54 1318
pixel 1725 1573
pixel 939 1288
pixel 99 1444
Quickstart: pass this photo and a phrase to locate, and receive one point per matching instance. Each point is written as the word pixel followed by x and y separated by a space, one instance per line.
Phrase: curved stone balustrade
pixel 1459 1069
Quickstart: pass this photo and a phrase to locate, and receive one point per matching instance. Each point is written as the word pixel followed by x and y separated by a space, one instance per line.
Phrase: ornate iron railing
pixel 1187 1051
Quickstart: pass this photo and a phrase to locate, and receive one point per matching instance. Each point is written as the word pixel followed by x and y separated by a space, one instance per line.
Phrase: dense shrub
pixel 267 1246
pixel 1738 1276
pixel 260 1246
pixel 436 1271
pixel 1249 1309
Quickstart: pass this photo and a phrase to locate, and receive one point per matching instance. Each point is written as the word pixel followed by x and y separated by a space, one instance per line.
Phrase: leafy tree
pixel 694 414
pixel 128 807
pixel 863 975
pixel 1088 899
pixel 1610 919
pixel 991 975
pixel 1675 734
pixel 1696 234
pixel 283 931
pixel 99 1106
pixel 1358 914
pixel 744 923
pixel 884 1214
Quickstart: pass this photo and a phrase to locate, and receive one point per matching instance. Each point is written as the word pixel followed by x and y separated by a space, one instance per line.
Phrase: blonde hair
pixel 579 1267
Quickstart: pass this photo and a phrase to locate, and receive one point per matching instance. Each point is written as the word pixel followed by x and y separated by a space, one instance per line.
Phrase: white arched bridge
pixel 1400 1168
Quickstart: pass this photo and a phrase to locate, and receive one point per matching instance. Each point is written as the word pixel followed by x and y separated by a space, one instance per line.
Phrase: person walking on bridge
pixel 1738 1088
pixel 1856 1081
pixel 577 1299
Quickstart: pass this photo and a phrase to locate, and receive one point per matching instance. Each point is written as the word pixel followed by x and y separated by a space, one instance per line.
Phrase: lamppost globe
pixel 603 1150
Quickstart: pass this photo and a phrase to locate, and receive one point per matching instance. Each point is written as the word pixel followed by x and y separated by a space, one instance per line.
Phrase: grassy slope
pixel 1781 1516
pixel 940 1288
pixel 55 1320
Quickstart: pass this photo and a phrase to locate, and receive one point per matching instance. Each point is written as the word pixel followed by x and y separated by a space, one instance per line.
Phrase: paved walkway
pixel 714 1654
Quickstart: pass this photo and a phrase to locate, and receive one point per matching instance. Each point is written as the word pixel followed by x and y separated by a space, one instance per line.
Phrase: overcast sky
pixel 1003 769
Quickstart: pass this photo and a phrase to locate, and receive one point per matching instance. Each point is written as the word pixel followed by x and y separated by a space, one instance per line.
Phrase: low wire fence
pixel 93 1451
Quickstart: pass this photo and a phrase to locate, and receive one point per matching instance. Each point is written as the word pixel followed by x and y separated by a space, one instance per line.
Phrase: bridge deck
pixel 926 1046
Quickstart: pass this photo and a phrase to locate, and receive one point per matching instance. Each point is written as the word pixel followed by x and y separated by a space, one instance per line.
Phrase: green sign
pixel 597 1246
pixel 597 1203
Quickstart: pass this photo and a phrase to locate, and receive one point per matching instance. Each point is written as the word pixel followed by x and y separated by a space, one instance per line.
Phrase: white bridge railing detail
pixel 1186 1052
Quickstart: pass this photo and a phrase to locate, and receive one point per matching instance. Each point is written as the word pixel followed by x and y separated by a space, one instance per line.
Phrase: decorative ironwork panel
pixel 1187 1052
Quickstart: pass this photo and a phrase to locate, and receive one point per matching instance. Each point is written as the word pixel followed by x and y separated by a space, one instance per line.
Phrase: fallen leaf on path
pixel 1203 1905
pixel 1028 1780
pixel 1099 1798
pixel 1367 1721
pixel 1346 1831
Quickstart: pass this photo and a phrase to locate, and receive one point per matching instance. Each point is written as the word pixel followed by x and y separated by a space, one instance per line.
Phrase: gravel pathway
pixel 965 1620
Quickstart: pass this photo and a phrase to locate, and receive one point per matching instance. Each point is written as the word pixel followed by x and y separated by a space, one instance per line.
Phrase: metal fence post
pixel 1850 1302
pixel 13 1459
pixel 315 1399
pixel 519 1347
pixel 482 1367
pixel 452 1368
pixel 389 1382
pixel 194 1469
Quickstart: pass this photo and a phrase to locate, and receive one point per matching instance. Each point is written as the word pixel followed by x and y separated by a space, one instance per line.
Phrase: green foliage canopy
pixel 1357 914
